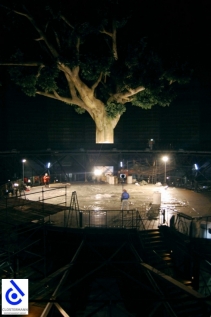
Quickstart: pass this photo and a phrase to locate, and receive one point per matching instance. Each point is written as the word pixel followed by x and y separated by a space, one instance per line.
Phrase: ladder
pixel 73 211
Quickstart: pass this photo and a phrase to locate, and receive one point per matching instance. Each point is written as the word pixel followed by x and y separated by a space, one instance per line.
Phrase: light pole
pixel 23 161
pixel 165 159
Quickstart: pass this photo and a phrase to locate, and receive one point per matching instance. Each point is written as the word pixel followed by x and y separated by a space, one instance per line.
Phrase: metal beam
pixel 128 275
pixel 54 295
pixel 61 310
pixel 53 275
pixel 154 284
pixel 107 261
pixel 173 281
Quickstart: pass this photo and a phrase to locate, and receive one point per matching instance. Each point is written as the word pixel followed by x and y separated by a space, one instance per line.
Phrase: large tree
pixel 88 54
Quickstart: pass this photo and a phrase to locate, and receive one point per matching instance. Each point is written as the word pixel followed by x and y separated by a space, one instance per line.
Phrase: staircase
pixel 155 251
pixel 179 294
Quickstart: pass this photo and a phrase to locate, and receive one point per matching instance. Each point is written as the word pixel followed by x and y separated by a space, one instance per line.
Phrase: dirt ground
pixel 103 196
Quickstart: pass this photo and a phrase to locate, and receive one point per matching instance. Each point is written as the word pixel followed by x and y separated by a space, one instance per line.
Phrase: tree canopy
pixel 92 55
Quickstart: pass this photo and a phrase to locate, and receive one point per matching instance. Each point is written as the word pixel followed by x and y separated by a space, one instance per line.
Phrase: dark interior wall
pixel 205 119
pixel 39 123
pixel 26 122
pixel 66 128
pixel 180 123
pixel 136 127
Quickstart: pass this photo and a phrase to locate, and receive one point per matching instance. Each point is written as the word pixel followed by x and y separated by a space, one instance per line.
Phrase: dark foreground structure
pixel 105 262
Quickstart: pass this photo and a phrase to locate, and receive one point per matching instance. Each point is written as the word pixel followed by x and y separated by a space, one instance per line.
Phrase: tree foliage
pixel 82 52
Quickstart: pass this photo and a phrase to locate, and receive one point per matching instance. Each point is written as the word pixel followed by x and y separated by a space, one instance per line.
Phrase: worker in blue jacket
pixel 124 200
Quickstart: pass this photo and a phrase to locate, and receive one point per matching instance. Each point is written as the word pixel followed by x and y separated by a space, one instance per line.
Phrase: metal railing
pixel 132 219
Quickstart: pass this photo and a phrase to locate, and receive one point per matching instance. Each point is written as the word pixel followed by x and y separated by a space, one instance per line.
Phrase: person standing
pixel 124 200
pixel 46 179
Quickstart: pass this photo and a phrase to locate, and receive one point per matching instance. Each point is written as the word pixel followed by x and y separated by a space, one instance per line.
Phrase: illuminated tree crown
pixel 88 54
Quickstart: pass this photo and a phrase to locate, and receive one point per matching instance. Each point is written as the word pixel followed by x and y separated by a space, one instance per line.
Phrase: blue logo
pixel 14 295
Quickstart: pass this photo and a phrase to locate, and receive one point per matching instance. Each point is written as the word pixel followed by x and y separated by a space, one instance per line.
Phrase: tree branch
pixel 113 36
pixel 39 70
pixel 74 81
pixel 134 91
pixel 33 64
pixel 78 44
pixel 65 69
pixel 39 39
pixel 55 95
pixel 114 44
pixel 71 85
pixel 70 74
pixel 172 81
pixel 66 21
pixel 57 39
pixel 70 101
pixel 42 35
pixel 94 86
pixel 123 97
pixel 75 71
pixel 105 32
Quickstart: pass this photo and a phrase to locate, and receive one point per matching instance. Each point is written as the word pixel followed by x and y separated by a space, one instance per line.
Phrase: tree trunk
pixel 105 134
pixel 95 107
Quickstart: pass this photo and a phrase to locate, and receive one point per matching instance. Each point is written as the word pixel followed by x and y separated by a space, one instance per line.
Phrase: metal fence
pixel 132 219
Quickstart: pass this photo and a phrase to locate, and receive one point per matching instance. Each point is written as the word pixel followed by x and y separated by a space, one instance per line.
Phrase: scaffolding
pixel 22 233
pixel 61 262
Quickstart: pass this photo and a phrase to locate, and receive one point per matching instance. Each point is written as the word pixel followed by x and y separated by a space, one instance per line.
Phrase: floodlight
pixel 97 172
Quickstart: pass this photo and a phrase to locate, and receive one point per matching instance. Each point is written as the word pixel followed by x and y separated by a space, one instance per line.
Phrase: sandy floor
pixel 107 197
